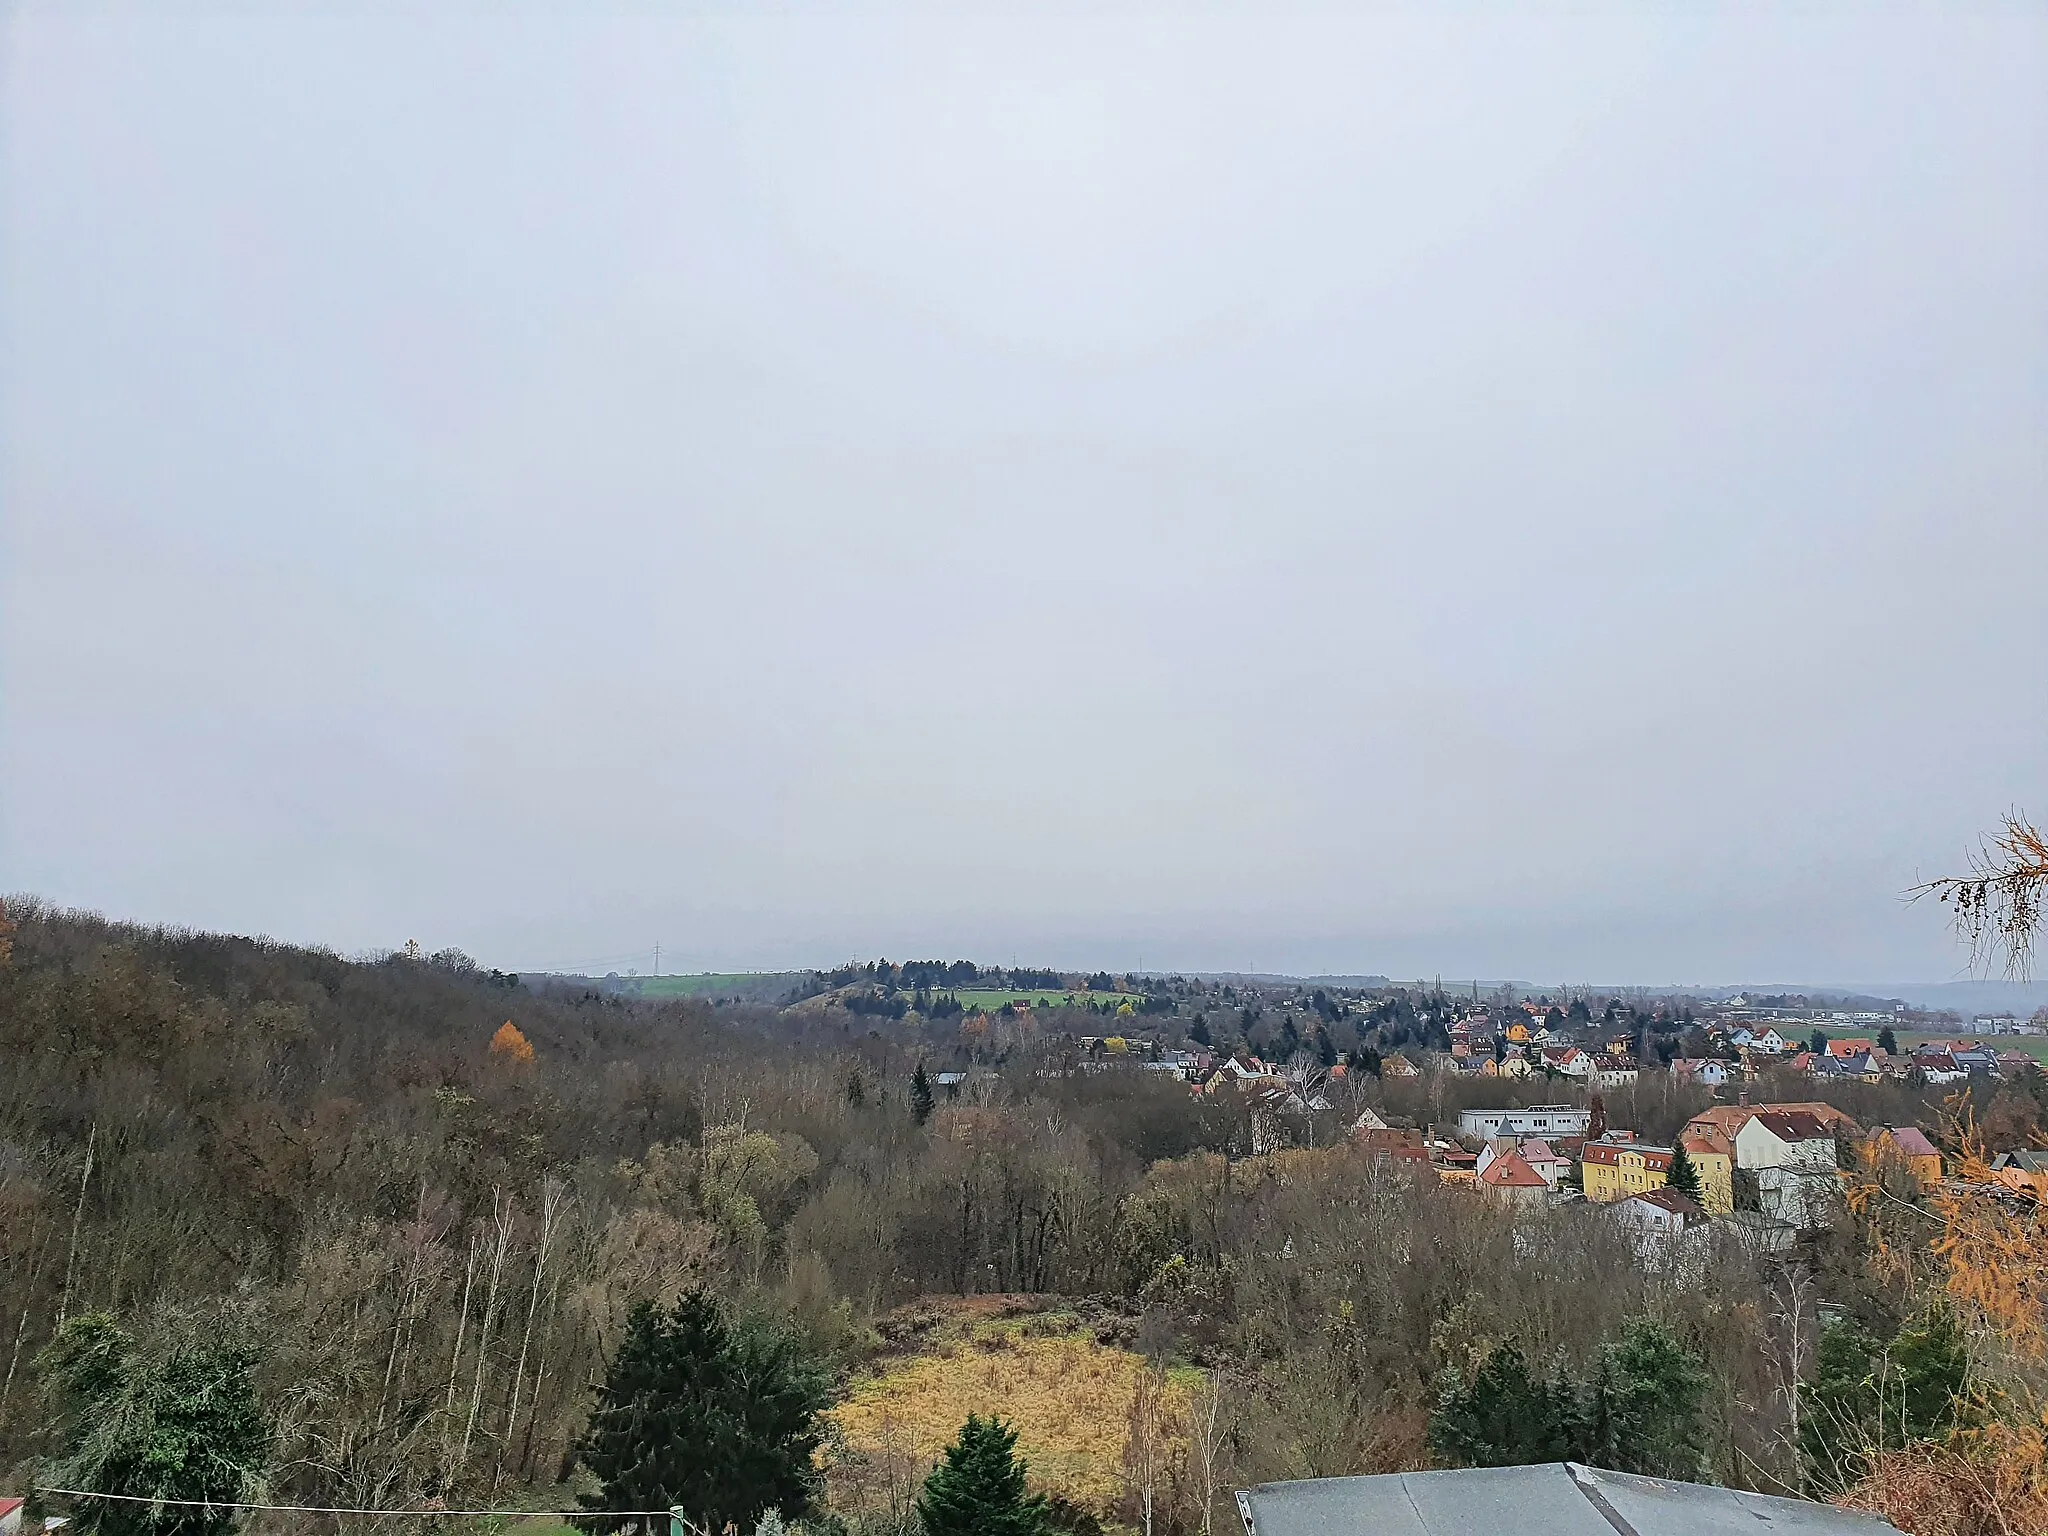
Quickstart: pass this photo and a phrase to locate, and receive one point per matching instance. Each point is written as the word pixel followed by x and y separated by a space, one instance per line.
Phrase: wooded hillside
pixel 426 1197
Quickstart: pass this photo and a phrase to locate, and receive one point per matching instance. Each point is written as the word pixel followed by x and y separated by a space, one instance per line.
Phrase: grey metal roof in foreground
pixel 1556 1499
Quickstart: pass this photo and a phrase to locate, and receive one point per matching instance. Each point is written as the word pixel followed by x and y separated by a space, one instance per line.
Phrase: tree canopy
pixel 977 1489
pixel 176 1419
pixel 716 1418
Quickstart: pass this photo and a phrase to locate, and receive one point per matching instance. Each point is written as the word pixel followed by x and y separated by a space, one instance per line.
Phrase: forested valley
pixel 419 1202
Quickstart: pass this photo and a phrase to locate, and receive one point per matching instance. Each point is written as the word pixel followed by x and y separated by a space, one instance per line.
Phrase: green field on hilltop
pixel 2035 1046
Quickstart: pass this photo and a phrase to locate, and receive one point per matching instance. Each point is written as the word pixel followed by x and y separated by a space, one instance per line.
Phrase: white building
pixel 1656 1220
pixel 1537 1120
pixel 1792 1154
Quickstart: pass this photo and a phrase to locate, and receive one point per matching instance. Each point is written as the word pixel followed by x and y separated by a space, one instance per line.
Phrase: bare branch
pixel 1998 905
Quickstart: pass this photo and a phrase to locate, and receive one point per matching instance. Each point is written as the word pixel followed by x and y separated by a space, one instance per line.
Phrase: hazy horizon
pixel 1407 494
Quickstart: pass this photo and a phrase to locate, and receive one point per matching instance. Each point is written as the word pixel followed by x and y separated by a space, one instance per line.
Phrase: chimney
pixel 1742 1099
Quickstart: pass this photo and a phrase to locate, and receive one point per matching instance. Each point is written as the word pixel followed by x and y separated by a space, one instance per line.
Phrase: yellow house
pixel 1614 1170
pixel 1908 1145
pixel 1714 1156
pixel 1518 1034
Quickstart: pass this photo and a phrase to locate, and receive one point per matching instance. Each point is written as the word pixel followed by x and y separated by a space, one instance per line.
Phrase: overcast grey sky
pixel 1562 496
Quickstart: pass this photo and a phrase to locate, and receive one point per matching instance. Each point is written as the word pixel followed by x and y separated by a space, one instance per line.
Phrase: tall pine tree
pixel 1684 1176
pixel 1644 1410
pixel 978 1489
pixel 1507 1417
pixel 699 1414
pixel 920 1095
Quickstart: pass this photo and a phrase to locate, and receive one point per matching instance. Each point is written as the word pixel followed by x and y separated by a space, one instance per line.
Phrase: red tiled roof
pixel 1509 1171
pixel 1707 1139
pixel 1608 1154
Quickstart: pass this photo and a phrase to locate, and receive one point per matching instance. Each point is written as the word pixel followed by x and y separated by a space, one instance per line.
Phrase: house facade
pixel 1614 1170
pixel 1656 1219
pixel 1908 1145
pixel 1792 1154
pixel 1713 1155
pixel 1537 1120
pixel 1509 1180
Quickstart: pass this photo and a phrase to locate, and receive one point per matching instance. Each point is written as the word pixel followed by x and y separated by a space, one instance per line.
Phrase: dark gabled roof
pixel 1557 1499
pixel 1665 1199
pixel 1794 1125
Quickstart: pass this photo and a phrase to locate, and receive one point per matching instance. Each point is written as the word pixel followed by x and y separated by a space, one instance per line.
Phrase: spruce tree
pixel 921 1100
pixel 1864 1397
pixel 1685 1177
pixel 1647 1394
pixel 978 1489
pixel 717 1419
pixel 1506 1417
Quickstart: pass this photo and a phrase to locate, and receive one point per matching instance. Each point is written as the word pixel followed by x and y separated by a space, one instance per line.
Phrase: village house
pixel 1510 1181
pixel 1454 1165
pixel 1909 1146
pixel 1656 1219
pixel 1566 1061
pixel 1938 1067
pixel 1792 1154
pixel 1395 1145
pixel 1730 1118
pixel 2023 1172
pixel 1706 1072
pixel 1613 1170
pixel 1613 1071
pixel 1713 1155
pixel 1545 1159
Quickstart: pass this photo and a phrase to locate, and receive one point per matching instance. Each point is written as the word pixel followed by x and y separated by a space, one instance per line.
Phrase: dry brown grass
pixel 1067 1396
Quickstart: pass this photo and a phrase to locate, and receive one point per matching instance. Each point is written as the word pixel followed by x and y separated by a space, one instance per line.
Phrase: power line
pixel 328 1509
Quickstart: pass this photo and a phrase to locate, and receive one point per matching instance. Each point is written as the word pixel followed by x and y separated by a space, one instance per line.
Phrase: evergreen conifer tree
pixel 1506 1417
pixel 978 1489
pixel 1685 1176
pixel 699 1414
pixel 175 1418
pixel 921 1100
pixel 1865 1397
pixel 1644 1413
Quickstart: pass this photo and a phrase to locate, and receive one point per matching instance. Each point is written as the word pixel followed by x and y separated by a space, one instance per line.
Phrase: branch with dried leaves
pixel 1998 905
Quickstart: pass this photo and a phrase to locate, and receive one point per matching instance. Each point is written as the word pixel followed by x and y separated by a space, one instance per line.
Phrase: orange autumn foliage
pixel 1996 1253
pixel 1990 1480
pixel 509 1043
